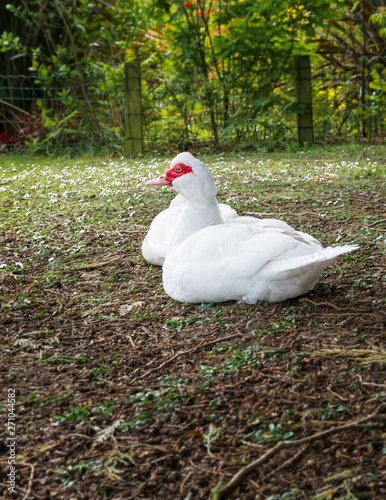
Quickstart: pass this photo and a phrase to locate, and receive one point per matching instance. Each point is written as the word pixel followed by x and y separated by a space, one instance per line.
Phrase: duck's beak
pixel 161 181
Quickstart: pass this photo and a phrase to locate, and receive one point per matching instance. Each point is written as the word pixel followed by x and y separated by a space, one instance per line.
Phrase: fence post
pixel 133 109
pixel 303 90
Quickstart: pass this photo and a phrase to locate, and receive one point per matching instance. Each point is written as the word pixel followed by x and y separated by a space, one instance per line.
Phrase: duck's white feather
pixel 174 225
pixel 211 255
pixel 244 263
pixel 186 214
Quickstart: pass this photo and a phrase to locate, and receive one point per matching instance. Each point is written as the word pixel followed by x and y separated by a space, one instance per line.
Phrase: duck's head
pixel 188 176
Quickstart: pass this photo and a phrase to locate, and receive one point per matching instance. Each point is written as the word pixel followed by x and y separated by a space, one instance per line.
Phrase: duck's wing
pixel 277 225
pixel 228 214
pixel 215 264
pixel 160 238
pixel 245 263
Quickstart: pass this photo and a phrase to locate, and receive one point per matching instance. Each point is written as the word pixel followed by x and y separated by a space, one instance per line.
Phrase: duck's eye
pixel 179 169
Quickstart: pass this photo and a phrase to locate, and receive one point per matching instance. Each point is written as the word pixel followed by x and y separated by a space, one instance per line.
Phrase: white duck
pixel 246 260
pixel 183 218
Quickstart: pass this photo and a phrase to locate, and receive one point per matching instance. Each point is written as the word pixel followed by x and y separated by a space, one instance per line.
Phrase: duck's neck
pixel 208 213
pixel 197 215
pixel 204 205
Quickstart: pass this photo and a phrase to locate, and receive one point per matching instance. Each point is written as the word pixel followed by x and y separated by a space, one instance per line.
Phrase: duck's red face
pixel 176 171
pixel 171 175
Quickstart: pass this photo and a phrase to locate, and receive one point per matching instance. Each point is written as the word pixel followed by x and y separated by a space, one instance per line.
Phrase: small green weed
pixel 57 400
pixel 270 435
pixel 31 401
pixel 251 357
pixel 100 372
pixel 139 419
pixel 42 314
pixel 254 419
pixel 140 317
pixel 76 414
pixel 180 323
pixel 242 357
pixel 377 395
pixel 63 358
pixel 280 327
pixel 21 303
pixel 163 400
pixel 331 411
pixel 74 473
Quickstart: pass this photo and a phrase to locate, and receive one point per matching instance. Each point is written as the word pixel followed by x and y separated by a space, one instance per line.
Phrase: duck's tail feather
pixel 324 257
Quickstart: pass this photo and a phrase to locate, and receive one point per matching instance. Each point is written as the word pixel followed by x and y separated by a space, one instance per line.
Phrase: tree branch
pixel 221 492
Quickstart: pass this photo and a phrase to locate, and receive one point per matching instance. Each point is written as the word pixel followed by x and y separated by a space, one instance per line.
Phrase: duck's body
pixel 247 259
pixel 174 225
pixel 245 263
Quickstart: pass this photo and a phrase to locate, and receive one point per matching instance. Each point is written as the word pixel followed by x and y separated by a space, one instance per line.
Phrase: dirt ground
pixel 140 397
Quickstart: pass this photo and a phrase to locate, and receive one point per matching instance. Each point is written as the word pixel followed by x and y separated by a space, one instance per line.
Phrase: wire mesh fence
pixel 89 114
pixel 342 110
pixel 78 115
pixel 348 106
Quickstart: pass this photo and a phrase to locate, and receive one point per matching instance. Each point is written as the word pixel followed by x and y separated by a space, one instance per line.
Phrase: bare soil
pixel 140 397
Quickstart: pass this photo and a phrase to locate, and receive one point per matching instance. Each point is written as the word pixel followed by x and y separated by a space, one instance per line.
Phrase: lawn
pixel 121 392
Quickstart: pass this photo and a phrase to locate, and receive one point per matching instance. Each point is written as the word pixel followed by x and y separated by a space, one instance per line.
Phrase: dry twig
pixel 377 222
pixel 337 395
pixel 288 462
pixel 95 265
pixel 365 356
pixel 371 383
pixel 222 491
pixel 132 342
pixel 30 479
pixel 329 304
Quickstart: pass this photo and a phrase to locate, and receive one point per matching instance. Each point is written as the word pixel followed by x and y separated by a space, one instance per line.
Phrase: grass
pixel 88 339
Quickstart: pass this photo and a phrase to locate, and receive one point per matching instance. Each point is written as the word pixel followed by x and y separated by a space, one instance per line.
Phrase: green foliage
pixel 164 400
pixel 9 41
pixel 57 400
pixel 62 358
pixel 379 18
pixel 250 357
pixel 100 372
pixel 211 71
pixel 140 316
pixel 235 56
pixel 378 96
pixel 279 327
pixel 353 51
pixel 77 66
